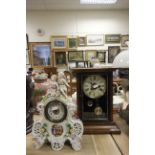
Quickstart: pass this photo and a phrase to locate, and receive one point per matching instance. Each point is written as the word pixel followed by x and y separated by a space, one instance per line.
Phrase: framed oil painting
pixel 41 54
pixel 72 42
pixel 112 38
pixel 101 55
pixel 95 40
pixel 81 41
pixel 124 40
pixel 75 56
pixel 59 42
pixel 113 51
pixel 89 55
pixel 60 58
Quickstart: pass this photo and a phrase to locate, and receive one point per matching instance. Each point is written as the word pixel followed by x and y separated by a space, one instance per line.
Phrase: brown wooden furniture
pixel 50 71
pixel 94 124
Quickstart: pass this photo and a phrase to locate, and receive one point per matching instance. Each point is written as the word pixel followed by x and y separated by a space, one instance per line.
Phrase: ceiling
pixel 72 5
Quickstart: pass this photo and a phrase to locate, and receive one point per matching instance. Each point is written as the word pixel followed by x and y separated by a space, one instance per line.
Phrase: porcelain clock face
pixel 55 111
pixel 94 86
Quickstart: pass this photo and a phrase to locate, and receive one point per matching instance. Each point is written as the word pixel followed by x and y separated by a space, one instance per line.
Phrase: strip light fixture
pixel 98 1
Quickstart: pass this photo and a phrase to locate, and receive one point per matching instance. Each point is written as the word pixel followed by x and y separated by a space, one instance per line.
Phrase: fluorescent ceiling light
pixel 98 1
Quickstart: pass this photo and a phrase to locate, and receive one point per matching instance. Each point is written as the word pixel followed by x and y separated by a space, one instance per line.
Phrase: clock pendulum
pixel 98 109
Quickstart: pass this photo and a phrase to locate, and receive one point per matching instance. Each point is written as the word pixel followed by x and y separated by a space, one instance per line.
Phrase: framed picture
pixel 27 42
pixel 124 40
pixel 101 55
pixel 27 57
pixel 112 38
pixel 113 51
pixel 59 42
pixel 75 56
pixel 82 41
pixel 89 55
pixel 95 40
pixel 72 42
pixel 41 54
pixel 60 58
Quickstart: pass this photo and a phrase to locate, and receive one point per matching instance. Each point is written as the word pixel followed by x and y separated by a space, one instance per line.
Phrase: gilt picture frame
pixel 72 42
pixel 82 41
pixel 40 54
pixel 60 58
pixel 59 42
pixel 89 55
pixel 112 38
pixel 75 56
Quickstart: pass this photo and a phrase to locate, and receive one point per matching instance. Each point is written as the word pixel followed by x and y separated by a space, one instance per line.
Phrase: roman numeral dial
pixel 94 86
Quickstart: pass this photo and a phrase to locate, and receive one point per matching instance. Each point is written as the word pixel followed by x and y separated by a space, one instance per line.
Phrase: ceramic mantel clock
pixel 94 97
pixel 58 123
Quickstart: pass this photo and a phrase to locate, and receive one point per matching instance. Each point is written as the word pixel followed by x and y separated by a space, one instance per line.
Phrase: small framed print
pixel 113 51
pixel 81 41
pixel 59 42
pixel 41 54
pixel 60 58
pixel 95 40
pixel 72 42
pixel 124 40
pixel 75 56
pixel 112 38
pixel 89 55
pixel 101 55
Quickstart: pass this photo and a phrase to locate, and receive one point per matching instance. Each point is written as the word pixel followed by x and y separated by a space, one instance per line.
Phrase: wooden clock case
pixel 96 125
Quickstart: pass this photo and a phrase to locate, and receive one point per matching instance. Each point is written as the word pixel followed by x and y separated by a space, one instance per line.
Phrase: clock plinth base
pixel 109 128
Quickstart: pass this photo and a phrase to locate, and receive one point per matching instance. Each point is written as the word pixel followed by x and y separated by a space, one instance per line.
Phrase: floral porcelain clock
pixel 59 123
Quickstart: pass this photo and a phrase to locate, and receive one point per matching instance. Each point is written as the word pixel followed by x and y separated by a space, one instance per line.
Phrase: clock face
pixel 94 86
pixel 55 111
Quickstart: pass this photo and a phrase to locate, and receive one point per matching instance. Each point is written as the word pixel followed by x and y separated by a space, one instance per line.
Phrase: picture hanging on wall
pixel 75 56
pixel 81 41
pixel 60 58
pixel 41 54
pixel 112 38
pixel 113 51
pixel 124 40
pixel 89 55
pixel 27 57
pixel 95 39
pixel 72 42
pixel 59 42
pixel 101 55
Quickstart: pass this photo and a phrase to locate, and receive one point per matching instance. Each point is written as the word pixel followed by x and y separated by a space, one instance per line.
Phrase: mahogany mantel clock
pixel 94 97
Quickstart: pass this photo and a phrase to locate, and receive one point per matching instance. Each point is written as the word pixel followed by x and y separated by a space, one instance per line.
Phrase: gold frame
pixel 84 41
pixel 112 38
pixel 31 45
pixel 58 38
pixel 60 65
pixel 87 54
pixel 76 42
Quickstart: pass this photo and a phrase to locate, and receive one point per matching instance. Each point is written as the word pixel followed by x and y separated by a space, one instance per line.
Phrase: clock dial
pixel 94 86
pixel 55 111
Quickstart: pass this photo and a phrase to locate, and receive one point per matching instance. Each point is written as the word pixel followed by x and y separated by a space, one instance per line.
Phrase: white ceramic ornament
pixel 58 123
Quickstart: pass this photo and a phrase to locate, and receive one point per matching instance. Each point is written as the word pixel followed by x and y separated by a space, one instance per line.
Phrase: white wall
pixel 76 22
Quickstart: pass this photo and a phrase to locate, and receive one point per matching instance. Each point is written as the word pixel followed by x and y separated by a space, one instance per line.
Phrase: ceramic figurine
pixel 62 82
